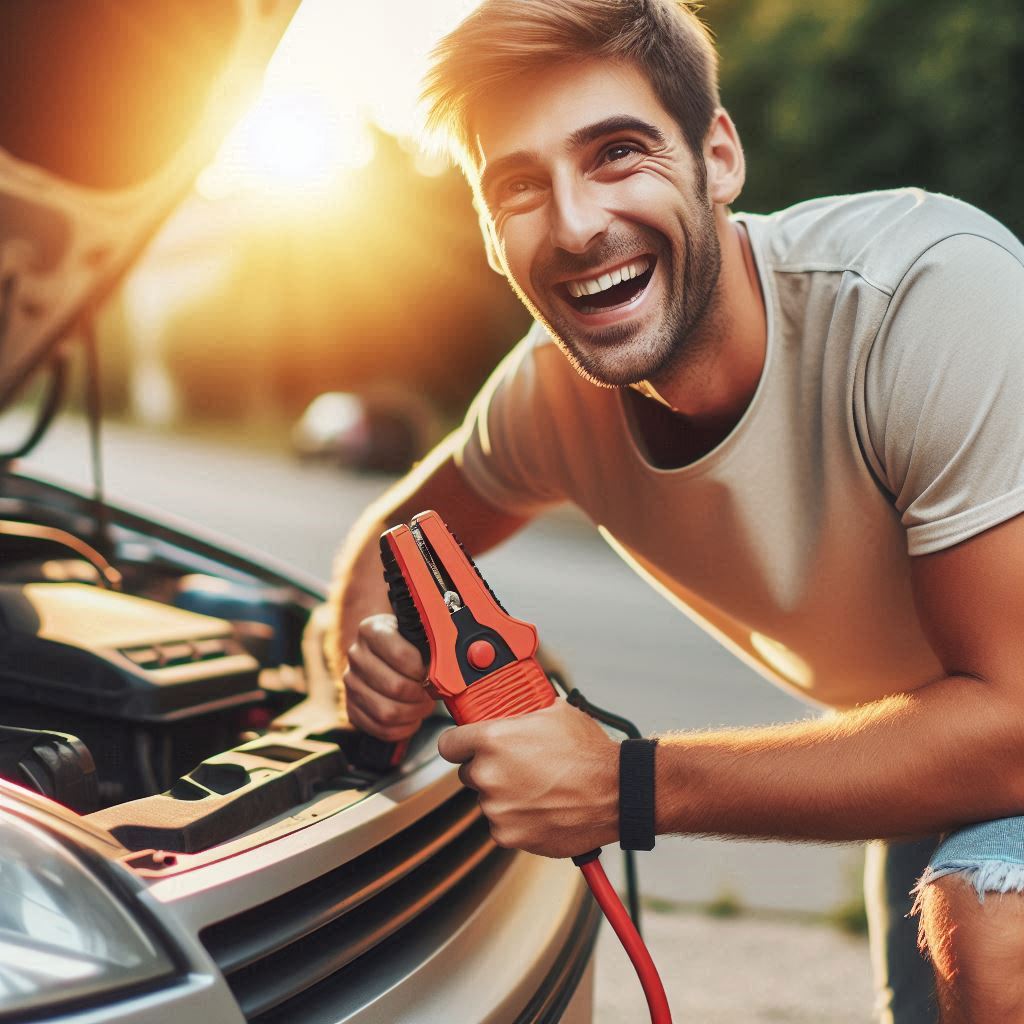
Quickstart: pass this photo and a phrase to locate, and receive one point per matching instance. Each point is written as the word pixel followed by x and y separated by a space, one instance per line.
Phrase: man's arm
pixel 913 764
pixel 381 672
pixel 918 763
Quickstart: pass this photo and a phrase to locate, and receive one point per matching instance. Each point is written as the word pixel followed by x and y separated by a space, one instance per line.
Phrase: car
pixel 385 430
pixel 188 832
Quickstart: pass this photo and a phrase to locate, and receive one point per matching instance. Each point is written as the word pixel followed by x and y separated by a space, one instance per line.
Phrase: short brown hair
pixel 503 39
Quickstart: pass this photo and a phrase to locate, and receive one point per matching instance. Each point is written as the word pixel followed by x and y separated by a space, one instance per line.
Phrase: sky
pixel 339 65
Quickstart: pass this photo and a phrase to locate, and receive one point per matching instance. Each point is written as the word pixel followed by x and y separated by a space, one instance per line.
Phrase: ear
pixel 723 157
pixel 487 231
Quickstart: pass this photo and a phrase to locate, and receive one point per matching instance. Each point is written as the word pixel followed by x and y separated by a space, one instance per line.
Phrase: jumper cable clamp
pixel 480 660
pixel 482 663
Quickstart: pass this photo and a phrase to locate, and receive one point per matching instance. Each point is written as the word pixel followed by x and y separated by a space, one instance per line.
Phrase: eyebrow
pixel 576 140
pixel 609 126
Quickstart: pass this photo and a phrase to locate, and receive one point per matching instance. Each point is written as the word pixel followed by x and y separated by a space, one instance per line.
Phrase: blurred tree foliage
pixel 385 286
pixel 837 96
pixel 390 284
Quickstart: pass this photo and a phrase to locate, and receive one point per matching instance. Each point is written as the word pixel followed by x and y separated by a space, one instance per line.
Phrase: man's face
pixel 601 217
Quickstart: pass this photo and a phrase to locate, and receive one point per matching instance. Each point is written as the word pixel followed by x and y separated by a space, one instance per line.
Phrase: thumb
pixel 458 745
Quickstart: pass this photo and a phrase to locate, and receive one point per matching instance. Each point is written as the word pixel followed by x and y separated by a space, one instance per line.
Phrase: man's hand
pixel 383 682
pixel 548 782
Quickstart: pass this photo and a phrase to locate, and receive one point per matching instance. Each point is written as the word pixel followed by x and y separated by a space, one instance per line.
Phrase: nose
pixel 578 218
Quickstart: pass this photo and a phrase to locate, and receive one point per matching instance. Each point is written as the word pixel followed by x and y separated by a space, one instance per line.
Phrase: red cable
pixel 624 928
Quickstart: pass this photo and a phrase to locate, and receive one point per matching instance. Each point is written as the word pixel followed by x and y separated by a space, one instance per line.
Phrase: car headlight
pixel 63 934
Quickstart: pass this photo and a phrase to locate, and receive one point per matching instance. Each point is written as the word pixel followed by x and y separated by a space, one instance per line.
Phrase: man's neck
pixel 713 390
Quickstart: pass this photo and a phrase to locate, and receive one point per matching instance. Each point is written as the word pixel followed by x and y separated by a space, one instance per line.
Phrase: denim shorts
pixel 989 855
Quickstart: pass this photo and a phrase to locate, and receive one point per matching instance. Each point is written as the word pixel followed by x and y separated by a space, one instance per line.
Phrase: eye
pixel 514 191
pixel 620 151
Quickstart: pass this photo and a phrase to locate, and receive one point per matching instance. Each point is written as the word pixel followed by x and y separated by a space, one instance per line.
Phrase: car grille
pixel 277 951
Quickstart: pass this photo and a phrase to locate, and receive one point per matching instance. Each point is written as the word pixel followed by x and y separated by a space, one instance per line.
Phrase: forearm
pixel 358 588
pixel 913 764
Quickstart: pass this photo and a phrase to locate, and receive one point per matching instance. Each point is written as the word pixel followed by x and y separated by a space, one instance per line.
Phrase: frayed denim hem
pixel 996 876
pixel 989 855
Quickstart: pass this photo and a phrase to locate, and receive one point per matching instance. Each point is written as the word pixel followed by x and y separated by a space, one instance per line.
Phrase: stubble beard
pixel 621 355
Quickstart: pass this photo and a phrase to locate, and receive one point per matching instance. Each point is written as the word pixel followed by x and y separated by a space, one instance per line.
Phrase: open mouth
pixel 617 287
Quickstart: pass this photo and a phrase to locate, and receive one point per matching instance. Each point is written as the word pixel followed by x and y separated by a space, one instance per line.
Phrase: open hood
pixel 111 108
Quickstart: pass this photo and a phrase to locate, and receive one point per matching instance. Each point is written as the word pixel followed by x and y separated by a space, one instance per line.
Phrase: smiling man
pixel 635 305
pixel 807 426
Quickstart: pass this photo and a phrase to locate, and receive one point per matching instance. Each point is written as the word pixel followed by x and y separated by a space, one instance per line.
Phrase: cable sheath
pixel 623 927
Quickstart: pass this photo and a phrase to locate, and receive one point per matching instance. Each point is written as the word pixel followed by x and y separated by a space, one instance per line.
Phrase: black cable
pixel 632 888
pixel 49 408
pixel 625 726
pixel 613 721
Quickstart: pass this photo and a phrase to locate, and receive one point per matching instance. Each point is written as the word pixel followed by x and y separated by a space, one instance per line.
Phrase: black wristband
pixel 636 794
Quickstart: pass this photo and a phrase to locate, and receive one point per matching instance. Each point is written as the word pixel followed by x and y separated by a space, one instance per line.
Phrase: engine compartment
pixel 149 688
pixel 154 662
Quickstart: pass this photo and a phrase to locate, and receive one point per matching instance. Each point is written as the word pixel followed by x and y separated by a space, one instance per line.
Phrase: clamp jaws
pixel 480 660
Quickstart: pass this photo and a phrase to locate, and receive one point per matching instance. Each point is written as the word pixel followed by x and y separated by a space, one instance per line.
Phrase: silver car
pixel 185 833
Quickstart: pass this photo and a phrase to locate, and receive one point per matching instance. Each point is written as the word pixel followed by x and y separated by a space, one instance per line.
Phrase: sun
pixel 303 132
pixel 295 143
pixel 338 66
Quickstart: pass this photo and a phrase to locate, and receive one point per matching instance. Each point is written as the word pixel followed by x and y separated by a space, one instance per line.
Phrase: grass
pixel 850 917
pixel 725 904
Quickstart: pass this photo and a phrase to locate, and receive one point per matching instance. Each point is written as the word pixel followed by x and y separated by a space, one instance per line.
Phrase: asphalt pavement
pixel 739 970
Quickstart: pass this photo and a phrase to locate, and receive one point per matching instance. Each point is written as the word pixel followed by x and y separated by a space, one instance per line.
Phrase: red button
pixel 480 654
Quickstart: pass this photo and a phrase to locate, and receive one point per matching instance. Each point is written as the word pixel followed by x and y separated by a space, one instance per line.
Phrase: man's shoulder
pixel 537 368
pixel 877 235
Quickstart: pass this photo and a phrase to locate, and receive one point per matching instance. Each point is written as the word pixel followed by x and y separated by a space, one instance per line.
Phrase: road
pixel 625 647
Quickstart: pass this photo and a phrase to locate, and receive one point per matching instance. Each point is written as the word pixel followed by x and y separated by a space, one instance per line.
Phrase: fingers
pixel 379 634
pixel 379 716
pixel 384 680
pixel 547 782
pixel 381 697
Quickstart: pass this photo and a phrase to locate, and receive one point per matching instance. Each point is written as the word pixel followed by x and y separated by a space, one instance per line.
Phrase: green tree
pixel 836 97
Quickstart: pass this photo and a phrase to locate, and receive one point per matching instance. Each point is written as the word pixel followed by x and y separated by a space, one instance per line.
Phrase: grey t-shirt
pixel 888 423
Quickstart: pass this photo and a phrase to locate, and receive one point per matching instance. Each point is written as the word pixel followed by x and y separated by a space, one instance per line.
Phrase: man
pixel 807 426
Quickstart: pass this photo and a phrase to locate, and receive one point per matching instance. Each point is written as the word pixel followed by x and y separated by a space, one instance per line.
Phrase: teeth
pixel 593 285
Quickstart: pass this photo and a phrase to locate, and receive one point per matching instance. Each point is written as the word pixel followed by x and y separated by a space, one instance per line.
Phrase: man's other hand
pixel 384 693
pixel 548 782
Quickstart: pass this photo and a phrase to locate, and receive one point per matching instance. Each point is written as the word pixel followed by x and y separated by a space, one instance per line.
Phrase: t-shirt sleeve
pixel 507 449
pixel 944 392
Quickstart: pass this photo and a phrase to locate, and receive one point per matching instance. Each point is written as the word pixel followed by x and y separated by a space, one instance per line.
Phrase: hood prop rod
pixel 94 415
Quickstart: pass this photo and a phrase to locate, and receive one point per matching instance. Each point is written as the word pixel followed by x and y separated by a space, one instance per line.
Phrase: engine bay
pixel 141 673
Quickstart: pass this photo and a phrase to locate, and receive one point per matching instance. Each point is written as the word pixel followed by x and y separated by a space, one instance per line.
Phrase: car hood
pixel 110 111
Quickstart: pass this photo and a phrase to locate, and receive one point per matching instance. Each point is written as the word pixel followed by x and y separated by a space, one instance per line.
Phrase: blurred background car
pixel 385 430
